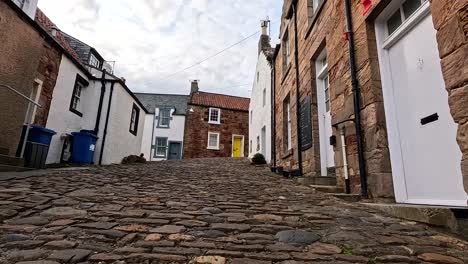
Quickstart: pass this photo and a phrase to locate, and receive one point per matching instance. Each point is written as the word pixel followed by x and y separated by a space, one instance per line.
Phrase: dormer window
pixel 164 117
pixel 93 61
pixel 214 116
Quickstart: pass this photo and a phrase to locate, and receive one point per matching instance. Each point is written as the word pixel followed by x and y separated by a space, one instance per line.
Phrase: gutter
pixel 357 100
pixel 107 123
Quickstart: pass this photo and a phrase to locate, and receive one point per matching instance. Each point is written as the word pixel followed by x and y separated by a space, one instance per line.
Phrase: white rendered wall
pixel 174 133
pixel 119 141
pixel 147 134
pixel 261 114
pixel 60 118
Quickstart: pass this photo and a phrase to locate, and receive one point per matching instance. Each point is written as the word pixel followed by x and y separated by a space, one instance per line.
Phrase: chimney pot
pixel 264 27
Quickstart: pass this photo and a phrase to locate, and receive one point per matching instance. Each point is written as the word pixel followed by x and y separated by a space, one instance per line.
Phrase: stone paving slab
pixel 218 211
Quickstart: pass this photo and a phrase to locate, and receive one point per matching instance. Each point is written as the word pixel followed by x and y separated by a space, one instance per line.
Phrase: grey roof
pixel 153 101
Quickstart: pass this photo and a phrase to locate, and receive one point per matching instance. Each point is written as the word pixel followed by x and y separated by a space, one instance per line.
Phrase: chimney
pixel 194 87
pixel 264 42
pixel 123 80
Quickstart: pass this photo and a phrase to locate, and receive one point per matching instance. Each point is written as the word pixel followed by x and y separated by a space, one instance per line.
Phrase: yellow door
pixel 237 147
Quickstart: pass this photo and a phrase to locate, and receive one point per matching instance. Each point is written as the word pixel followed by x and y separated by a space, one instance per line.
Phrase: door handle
pixel 429 119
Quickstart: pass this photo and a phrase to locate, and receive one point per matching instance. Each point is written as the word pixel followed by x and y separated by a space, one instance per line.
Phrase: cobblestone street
pixel 200 211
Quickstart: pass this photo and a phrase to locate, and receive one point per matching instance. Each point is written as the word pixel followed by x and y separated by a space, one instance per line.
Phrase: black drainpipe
pixel 357 101
pixel 107 123
pixel 298 106
pixel 101 100
pixel 273 112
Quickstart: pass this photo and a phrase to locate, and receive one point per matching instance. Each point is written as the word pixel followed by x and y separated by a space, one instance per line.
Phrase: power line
pixel 208 58
pixel 212 56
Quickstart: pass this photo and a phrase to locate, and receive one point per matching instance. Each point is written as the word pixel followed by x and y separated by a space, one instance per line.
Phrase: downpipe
pixel 357 100
pixel 345 161
pixel 298 104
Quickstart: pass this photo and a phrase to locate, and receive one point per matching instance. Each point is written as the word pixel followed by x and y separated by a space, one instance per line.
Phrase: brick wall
pixel 197 128
pixel 324 28
pixel 25 57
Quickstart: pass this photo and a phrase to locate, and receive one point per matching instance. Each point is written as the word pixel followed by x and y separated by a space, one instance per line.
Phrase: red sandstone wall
pixel 197 127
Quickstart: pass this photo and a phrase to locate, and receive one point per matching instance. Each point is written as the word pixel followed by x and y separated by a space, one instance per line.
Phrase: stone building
pixel 260 110
pixel 30 60
pixel 216 125
pixel 405 87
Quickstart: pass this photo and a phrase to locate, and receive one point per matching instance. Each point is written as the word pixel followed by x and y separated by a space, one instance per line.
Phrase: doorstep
pixel 432 215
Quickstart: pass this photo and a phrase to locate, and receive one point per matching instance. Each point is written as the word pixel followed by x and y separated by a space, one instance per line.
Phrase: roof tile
pixel 221 101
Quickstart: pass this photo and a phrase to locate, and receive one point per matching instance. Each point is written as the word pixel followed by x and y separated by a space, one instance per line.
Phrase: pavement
pixel 218 211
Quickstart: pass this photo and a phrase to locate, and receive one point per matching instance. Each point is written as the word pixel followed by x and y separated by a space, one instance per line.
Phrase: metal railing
pixel 28 122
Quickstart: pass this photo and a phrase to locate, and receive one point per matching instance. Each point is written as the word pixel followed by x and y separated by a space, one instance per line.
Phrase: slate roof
pixel 220 101
pixel 153 101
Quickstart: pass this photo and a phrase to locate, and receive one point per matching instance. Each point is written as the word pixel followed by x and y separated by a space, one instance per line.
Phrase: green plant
pixel 258 159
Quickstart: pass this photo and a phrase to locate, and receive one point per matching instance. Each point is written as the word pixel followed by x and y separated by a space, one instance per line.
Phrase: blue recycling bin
pixel 84 145
pixel 40 135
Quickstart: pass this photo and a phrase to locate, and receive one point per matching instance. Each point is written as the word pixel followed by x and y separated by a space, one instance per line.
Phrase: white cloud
pixel 151 39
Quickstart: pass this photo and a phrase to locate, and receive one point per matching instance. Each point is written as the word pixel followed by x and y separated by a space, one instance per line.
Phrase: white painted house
pixel 260 109
pixel 88 98
pixel 163 136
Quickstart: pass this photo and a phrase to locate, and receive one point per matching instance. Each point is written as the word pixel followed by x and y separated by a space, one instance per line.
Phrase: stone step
pixel 11 161
pixel 328 181
pixel 327 188
pixel 4 151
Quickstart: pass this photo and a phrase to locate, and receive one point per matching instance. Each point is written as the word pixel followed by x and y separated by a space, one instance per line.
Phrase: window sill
pixel 76 112
pixel 212 148
pixel 159 157
pixel 313 20
pixel 214 123
pixel 285 74
pixel 287 154
pixel 135 133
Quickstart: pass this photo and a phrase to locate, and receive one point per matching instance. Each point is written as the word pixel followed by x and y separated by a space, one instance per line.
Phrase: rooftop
pixel 220 101
pixel 153 101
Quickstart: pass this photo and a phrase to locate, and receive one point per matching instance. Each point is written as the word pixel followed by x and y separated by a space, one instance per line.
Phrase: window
pixel 250 146
pixel 93 61
pixel 258 76
pixel 251 116
pixel 214 116
pixel 323 80
pixel 258 143
pixel 405 10
pixel 134 119
pixel 164 117
pixel 75 103
pixel 287 136
pixel 286 52
pixel 264 97
pixel 213 140
pixel 35 96
pixel 317 4
pixel 161 148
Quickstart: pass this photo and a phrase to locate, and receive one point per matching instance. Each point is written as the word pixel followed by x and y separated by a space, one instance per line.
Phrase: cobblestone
pixel 201 211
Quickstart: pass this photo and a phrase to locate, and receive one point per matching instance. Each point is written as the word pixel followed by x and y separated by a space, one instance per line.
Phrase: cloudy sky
pixel 152 39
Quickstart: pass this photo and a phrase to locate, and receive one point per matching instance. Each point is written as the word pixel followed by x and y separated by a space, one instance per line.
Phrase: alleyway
pixel 200 211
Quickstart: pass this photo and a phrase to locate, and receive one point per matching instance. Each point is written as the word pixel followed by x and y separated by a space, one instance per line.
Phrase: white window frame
pixel 161 117
pixel 287 50
pixel 402 28
pixel 323 77
pixel 156 146
pixel 94 61
pixel 35 96
pixel 216 122
pixel 218 135
pixel 317 3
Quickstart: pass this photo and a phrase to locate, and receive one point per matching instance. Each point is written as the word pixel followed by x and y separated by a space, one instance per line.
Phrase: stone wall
pixel 324 28
pixel 197 128
pixel 450 19
pixel 25 58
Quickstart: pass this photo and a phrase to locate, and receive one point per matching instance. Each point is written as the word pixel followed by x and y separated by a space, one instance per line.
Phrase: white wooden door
pixel 425 133
pixel 327 153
